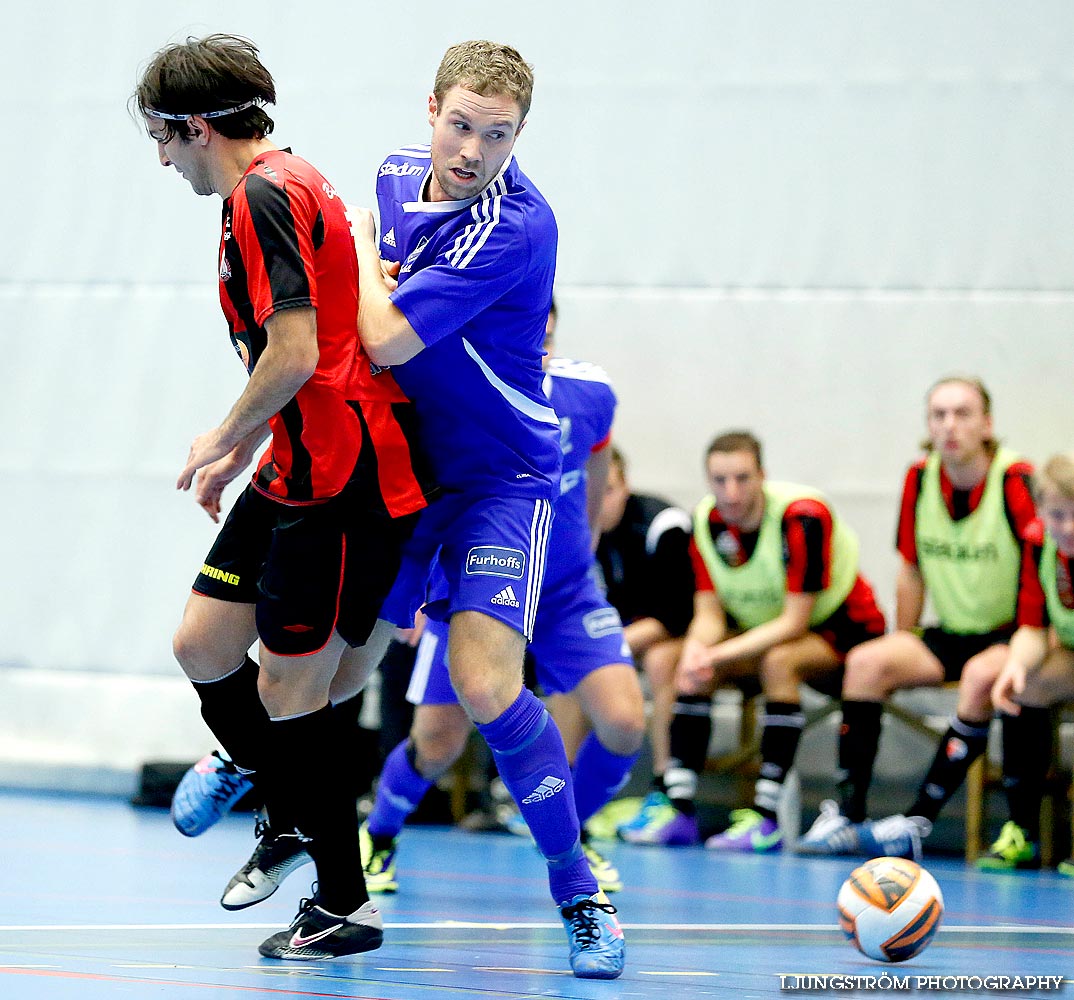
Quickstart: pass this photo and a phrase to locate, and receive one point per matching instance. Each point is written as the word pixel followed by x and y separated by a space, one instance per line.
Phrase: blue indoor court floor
pixel 104 900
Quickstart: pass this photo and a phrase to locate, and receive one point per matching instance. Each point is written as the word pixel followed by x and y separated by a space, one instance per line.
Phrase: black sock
pixel 308 754
pixel 1027 755
pixel 349 711
pixel 232 709
pixel 396 713
pixel 782 723
pixel 691 731
pixel 960 746
pixel 859 739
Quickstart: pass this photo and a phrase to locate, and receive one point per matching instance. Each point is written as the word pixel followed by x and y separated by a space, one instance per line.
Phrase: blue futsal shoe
pixel 894 837
pixel 659 822
pixel 206 792
pixel 598 950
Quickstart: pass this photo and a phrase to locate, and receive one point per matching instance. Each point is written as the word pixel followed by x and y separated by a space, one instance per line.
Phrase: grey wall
pixel 791 216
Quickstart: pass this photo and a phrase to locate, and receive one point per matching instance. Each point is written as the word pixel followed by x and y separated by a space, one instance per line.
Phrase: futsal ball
pixel 890 908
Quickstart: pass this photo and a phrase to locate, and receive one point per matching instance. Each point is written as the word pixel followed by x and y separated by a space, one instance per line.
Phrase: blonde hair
pixel 1057 475
pixel 486 68
pixel 971 382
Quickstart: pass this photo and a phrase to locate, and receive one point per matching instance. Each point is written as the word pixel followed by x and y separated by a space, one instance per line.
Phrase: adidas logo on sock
pixel 506 596
pixel 545 790
pixel 389 238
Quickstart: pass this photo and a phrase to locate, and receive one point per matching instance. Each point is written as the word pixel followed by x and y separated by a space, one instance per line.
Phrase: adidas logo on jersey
pixel 506 597
pixel 545 790
pixel 389 238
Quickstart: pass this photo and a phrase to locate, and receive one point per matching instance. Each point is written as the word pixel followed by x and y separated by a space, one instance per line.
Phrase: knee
pixel 867 671
pixel 975 687
pixel 778 668
pixel 435 750
pixel 192 652
pixel 622 730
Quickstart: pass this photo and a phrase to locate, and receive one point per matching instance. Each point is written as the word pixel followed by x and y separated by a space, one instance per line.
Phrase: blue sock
pixel 400 790
pixel 533 765
pixel 598 775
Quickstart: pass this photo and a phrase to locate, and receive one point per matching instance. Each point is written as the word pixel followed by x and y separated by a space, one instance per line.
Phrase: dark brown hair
pixel 731 441
pixel 205 75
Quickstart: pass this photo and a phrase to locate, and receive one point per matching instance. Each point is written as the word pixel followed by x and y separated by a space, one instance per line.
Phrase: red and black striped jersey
pixel 286 243
pixel 1017 500
pixel 807 545
pixel 1032 604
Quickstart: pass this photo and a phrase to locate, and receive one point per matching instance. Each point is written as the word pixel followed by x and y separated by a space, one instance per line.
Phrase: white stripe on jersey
pixel 423 662
pixel 539 529
pixel 584 371
pixel 417 151
pixel 545 414
pixel 669 517
pixel 486 216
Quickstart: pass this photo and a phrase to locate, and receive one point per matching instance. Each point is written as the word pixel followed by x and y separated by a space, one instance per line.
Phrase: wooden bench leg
pixel 975 807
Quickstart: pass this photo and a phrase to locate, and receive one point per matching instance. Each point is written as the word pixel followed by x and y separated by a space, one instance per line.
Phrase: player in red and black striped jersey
pixel 311 547
pixel 965 509
pixel 779 602
pixel 1039 672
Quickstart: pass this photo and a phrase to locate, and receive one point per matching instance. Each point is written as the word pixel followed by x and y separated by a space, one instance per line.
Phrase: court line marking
pixel 486 926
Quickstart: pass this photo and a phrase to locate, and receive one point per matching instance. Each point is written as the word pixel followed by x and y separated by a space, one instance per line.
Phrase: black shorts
pixel 954 650
pixel 308 569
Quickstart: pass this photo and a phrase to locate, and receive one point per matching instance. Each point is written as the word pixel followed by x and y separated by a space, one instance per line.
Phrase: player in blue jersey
pixel 578 646
pixel 459 314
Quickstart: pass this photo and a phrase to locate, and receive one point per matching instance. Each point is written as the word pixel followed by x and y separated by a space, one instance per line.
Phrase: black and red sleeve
pixel 905 537
pixel 276 226
pixel 1018 498
pixel 807 531
pixel 702 580
pixel 1032 607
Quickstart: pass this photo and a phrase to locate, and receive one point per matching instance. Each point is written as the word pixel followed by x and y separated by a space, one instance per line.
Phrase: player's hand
pixel 389 271
pixel 695 670
pixel 363 225
pixel 205 450
pixel 212 480
pixel 1010 682
pixel 411 636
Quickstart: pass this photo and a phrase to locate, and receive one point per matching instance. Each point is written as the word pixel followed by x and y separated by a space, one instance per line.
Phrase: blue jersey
pixel 475 283
pixel 585 403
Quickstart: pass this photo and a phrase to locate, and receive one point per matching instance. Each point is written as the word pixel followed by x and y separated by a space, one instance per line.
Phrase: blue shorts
pixel 474 554
pixel 576 632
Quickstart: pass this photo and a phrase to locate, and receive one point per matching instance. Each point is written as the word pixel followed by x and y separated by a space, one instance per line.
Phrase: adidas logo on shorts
pixel 545 790
pixel 506 597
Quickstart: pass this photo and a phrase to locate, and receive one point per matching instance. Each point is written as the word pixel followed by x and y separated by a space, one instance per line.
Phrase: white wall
pixel 791 216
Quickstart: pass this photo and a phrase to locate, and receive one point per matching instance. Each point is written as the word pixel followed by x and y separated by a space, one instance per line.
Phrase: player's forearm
pixel 1028 647
pixel 644 633
pixel 245 450
pixel 275 380
pixel 791 624
pixel 909 597
pixel 385 332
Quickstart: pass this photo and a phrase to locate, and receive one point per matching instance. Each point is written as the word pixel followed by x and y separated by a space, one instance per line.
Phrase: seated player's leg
pixel 1027 756
pixel 783 668
pixel 658 663
pixel 873 671
pixel 977 661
